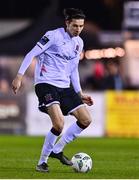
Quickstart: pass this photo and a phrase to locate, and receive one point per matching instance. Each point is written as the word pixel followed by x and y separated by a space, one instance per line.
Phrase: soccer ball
pixel 82 162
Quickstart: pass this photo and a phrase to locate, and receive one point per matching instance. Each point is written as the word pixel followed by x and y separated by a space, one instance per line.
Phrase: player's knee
pixel 59 126
pixel 86 120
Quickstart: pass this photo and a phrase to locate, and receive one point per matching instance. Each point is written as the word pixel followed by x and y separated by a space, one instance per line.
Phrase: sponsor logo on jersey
pixel 68 58
pixel 44 40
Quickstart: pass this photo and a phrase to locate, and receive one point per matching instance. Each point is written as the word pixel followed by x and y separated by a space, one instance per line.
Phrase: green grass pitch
pixel 113 158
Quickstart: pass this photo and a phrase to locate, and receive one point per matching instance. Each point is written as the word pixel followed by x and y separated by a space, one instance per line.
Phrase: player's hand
pixel 87 99
pixel 16 83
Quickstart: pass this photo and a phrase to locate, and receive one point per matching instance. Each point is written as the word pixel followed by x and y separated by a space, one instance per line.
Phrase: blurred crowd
pixel 5 78
pixel 8 70
pixel 102 75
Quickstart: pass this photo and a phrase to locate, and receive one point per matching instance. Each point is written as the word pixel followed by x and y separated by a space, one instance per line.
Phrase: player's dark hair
pixel 72 13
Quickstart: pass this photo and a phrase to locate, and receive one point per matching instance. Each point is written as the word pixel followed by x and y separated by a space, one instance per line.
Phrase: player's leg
pixel 72 104
pixel 49 103
pixel 83 121
pixel 58 123
pixel 57 119
pixel 83 116
pixel 57 126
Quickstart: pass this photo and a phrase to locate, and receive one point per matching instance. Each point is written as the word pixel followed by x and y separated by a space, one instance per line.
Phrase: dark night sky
pixel 96 10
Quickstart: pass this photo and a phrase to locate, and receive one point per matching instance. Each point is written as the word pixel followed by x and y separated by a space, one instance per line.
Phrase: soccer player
pixel 58 54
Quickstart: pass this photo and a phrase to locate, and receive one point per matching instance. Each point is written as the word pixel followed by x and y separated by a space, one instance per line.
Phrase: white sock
pixel 48 145
pixel 71 133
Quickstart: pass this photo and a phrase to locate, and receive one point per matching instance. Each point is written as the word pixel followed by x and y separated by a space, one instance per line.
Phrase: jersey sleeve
pixel 74 76
pixel 75 80
pixel 47 40
pixel 81 45
pixel 28 59
pixel 43 44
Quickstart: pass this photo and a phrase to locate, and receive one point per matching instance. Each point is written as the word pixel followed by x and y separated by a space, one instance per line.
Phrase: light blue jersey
pixel 57 56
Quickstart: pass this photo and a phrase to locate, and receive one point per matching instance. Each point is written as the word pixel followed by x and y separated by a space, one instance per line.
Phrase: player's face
pixel 75 26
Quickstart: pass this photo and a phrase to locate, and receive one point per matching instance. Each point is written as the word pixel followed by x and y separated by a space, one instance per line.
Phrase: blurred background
pixel 108 66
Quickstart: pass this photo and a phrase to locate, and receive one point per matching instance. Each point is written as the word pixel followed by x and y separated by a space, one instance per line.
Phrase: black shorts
pixel 48 94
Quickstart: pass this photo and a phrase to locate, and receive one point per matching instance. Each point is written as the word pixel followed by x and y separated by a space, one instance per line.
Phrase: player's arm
pixel 86 98
pixel 44 43
pixel 75 80
pixel 25 64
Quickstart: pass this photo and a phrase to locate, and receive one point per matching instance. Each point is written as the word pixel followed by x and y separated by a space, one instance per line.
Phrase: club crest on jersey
pixel 44 40
pixel 77 47
pixel 76 50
